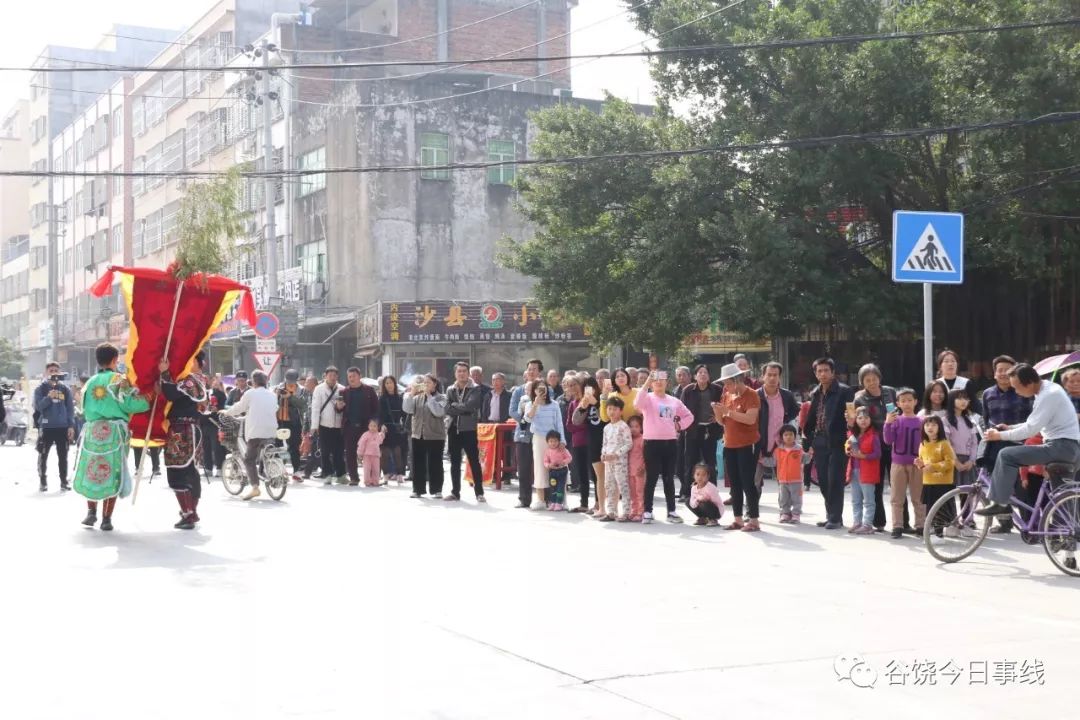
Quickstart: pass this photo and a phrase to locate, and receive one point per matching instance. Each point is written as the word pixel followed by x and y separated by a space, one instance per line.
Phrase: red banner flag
pixel 150 296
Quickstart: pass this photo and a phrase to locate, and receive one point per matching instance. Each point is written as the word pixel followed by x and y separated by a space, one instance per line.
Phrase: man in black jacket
pixel 826 433
pixel 778 408
pixel 464 401
pixel 55 404
pixel 702 437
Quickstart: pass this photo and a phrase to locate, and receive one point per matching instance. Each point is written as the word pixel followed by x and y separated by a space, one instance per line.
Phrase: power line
pixel 730 149
pixel 660 52
pixel 417 39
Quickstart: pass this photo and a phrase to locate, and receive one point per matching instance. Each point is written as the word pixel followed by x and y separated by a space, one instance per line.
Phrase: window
pixel 224 130
pixel 38 214
pixel 152 238
pixel 118 239
pixel 169 218
pixel 101 246
pixel 79 254
pixel 225 46
pixel 192 148
pixel 153 165
pixel 193 81
pixel 139 246
pixel 311 257
pixel 314 160
pixel 501 151
pixel 434 151
pixel 118 181
pixel 138 182
pixel 172 88
pixel 38 130
pixel 172 152
pixel 138 117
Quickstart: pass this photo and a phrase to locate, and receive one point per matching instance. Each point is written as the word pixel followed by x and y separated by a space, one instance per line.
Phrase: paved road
pixel 346 603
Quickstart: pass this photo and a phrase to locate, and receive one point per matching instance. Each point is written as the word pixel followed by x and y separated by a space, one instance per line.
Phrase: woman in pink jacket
pixel 663 417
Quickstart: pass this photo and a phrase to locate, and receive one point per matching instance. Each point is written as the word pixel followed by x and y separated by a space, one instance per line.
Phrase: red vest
pixel 869 470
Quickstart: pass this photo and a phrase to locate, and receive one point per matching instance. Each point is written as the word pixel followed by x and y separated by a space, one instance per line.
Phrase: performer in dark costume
pixel 187 397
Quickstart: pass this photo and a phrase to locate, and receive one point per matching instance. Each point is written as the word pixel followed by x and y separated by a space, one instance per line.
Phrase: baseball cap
pixel 241 375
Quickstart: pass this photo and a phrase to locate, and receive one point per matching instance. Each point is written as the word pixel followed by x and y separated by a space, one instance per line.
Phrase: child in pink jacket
pixel 637 469
pixel 370 449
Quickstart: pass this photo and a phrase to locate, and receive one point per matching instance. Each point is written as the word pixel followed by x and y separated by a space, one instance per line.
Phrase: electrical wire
pixel 660 52
pixel 417 39
pixel 812 143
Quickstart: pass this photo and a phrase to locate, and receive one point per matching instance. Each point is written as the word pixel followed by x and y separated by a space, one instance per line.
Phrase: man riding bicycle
pixel 1053 416
pixel 260 426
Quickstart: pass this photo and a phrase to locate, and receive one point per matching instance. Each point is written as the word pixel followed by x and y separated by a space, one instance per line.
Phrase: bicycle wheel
pixel 1061 523
pixel 277 477
pixel 962 531
pixel 233 476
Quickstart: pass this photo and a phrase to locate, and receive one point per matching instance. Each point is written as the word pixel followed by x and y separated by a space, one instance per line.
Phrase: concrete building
pixel 57 97
pixel 373 250
pixel 15 224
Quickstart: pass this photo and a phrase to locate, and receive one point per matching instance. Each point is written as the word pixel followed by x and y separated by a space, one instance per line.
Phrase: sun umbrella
pixel 1052 365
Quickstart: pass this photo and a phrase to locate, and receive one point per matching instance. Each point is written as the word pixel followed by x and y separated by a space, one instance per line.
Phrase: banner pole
pixel 153 407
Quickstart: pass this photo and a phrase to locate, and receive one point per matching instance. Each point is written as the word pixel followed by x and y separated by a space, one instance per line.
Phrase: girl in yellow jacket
pixel 937 462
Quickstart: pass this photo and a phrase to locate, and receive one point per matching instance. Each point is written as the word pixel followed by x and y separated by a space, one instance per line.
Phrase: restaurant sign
pixel 442 321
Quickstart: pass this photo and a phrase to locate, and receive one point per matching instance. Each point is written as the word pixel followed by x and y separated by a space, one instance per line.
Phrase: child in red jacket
pixel 864 471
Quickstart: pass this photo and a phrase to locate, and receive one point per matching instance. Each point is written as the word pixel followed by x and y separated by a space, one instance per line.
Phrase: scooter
pixel 15 426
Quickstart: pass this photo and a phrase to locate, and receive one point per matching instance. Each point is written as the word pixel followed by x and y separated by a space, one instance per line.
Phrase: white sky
pixel 32 25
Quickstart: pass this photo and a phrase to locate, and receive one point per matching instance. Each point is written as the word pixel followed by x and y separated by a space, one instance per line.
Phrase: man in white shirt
pixel 1052 416
pixel 326 417
pixel 259 405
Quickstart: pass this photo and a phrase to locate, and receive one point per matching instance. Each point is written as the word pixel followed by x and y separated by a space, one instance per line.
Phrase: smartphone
pixel 890 407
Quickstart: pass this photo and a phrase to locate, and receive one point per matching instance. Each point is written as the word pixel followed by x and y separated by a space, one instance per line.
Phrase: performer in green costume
pixel 101 471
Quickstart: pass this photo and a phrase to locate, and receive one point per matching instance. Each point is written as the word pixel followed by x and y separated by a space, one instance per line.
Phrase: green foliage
pixel 11 360
pixel 643 250
pixel 210 222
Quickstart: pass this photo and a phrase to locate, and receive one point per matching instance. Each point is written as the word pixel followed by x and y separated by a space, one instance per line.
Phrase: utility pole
pixel 270 244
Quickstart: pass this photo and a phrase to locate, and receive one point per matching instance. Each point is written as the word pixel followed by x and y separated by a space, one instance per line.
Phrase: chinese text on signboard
pixel 440 321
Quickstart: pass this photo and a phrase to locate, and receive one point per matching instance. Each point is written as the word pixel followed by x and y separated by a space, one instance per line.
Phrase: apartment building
pixel 14 224
pixel 57 97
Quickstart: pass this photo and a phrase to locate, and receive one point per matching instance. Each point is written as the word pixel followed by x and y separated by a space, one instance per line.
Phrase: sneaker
pixel 416 496
pixel 897 533
pixel 646 519
pixel 481 499
pixel 795 519
pixel 64 487
pixel 952 532
pixel 252 493
pixel 343 479
pixel 672 518
pixel 785 518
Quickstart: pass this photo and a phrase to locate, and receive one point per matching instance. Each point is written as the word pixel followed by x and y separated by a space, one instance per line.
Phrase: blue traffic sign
pixel 928 247
pixel 266 325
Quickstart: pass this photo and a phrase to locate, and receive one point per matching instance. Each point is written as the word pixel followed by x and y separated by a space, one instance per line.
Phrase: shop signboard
pixel 447 322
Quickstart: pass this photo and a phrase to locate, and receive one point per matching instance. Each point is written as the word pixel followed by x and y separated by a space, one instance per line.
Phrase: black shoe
pixel 90 520
pixel 64 487
pixel 908 530
pixel 1070 563
pixel 106 524
pixel 994 509
pixel 821 523
pixel 833 526
pixel 939 532
pixel 1001 529
pixel 43 488
pixel 897 533
pixel 186 523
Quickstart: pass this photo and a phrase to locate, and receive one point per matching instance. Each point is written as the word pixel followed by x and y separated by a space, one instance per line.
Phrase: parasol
pixel 1051 365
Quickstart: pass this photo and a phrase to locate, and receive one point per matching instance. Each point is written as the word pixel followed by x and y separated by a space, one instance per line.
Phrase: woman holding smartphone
pixel 879 400
pixel 426 404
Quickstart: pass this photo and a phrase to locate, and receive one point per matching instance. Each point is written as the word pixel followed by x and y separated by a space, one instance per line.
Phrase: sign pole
pixel 928 330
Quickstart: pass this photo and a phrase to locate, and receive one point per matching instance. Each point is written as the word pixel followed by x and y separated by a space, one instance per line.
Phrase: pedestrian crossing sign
pixel 928 247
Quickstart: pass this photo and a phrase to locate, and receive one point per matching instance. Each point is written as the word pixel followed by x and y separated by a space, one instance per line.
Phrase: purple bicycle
pixel 953 531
